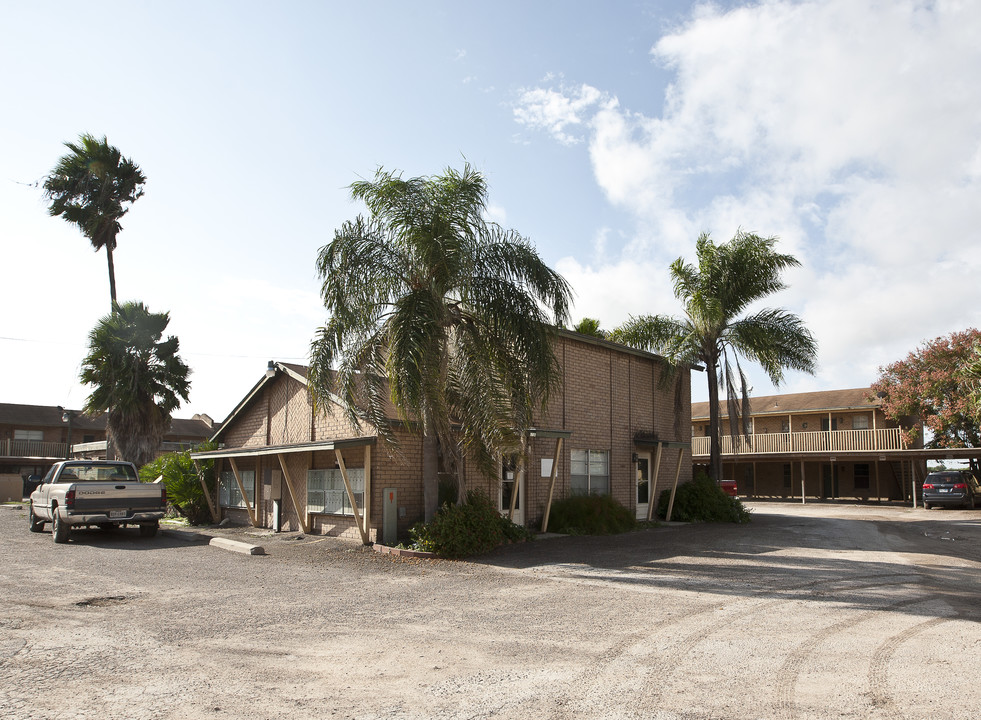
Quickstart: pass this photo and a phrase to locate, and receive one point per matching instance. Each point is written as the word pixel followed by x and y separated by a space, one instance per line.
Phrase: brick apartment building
pixel 610 428
pixel 34 437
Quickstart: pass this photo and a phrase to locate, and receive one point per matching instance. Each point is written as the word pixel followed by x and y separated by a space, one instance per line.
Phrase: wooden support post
pixel 653 491
pixel 551 484
pixel 674 486
pixel 301 514
pixel 253 516
pixel 878 488
pixel 912 483
pixel 350 496
pixel 754 478
pixel 207 493
pixel 803 491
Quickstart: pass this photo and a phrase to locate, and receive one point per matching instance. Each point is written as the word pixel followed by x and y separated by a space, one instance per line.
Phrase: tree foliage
pixel 138 379
pixel 934 383
pixel 590 326
pixel 440 313
pixel 92 187
pixel 715 333
pixel 180 476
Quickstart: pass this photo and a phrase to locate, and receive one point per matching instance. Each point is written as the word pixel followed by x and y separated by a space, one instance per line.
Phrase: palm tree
pixel 729 278
pixel 90 187
pixel 590 326
pixel 138 379
pixel 446 315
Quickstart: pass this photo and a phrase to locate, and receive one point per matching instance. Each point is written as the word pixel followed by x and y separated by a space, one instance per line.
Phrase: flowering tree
pixel 932 384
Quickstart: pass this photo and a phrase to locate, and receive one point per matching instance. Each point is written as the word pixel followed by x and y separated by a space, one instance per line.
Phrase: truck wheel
pixel 926 506
pixel 148 530
pixel 59 528
pixel 32 520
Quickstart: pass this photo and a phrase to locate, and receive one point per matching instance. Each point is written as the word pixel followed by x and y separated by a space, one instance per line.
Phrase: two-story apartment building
pixel 610 428
pixel 34 437
pixel 832 444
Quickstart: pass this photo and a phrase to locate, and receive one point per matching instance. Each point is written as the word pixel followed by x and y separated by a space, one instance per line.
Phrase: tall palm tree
pixel 444 314
pixel 729 278
pixel 137 378
pixel 91 187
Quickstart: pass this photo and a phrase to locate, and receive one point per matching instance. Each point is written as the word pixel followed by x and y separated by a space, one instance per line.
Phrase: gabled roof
pixel 297 372
pixel 792 403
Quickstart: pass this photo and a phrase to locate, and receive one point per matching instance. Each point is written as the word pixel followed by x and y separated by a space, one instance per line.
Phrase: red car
pixel 728 487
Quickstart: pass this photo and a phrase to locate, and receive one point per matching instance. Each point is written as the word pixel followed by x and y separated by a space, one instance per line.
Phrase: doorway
pixel 643 473
pixel 829 478
pixel 508 481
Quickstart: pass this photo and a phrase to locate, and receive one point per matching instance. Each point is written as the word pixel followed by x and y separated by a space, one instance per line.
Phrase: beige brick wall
pixel 607 397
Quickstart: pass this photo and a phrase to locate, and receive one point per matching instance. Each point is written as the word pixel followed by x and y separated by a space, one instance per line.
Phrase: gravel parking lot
pixel 810 611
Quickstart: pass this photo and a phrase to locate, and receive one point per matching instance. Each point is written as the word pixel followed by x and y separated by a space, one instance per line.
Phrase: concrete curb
pixel 236 546
pixel 185 535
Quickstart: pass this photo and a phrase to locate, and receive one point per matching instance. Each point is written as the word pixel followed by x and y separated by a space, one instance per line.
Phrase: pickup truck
pixel 99 493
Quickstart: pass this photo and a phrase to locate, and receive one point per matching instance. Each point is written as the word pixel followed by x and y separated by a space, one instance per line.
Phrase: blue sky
pixel 611 135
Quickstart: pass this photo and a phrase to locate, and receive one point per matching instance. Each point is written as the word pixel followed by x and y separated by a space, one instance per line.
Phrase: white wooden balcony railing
pixel 32 449
pixel 838 441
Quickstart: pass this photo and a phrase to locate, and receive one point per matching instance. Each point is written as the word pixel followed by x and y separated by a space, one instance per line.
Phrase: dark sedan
pixel 951 488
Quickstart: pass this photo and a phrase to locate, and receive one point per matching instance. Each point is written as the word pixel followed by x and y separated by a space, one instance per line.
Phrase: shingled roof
pixel 28 416
pixel 792 403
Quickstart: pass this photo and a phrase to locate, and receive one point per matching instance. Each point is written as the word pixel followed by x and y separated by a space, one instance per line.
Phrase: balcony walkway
pixel 802 443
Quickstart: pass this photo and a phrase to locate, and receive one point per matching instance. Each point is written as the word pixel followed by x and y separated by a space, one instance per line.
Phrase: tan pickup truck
pixel 96 493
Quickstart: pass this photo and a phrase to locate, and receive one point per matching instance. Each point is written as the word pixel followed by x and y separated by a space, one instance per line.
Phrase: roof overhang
pixel 260 450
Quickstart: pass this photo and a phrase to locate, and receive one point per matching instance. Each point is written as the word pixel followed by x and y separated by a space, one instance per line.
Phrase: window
pixel 788 474
pixel 326 492
pixel 861 476
pixel 860 422
pixel 590 472
pixel 785 426
pixel 228 493
pixel 36 435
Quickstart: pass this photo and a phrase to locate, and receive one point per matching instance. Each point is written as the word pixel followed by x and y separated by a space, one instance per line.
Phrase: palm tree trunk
pixel 715 451
pixel 112 277
pixel 430 472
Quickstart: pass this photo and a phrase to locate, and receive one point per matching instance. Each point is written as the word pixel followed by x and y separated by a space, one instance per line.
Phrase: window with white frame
pixel 589 472
pixel 35 435
pixel 326 492
pixel 229 494
pixel 860 422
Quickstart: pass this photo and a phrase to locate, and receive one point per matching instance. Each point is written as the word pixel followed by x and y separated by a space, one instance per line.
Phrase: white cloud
pixel 850 129
pixel 555 111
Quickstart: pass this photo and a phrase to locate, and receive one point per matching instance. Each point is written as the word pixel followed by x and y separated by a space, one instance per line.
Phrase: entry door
pixel 508 476
pixel 829 476
pixel 643 484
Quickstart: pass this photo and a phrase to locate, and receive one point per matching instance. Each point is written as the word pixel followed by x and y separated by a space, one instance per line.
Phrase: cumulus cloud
pixel 850 129
pixel 558 111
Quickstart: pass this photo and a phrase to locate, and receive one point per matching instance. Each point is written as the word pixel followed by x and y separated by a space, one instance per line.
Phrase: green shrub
pixel 701 500
pixel 184 492
pixel 460 531
pixel 590 515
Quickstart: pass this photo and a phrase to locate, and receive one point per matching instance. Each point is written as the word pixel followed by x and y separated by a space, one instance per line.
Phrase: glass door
pixel 643 485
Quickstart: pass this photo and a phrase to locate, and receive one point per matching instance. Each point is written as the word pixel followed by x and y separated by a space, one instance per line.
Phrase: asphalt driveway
pixel 807 612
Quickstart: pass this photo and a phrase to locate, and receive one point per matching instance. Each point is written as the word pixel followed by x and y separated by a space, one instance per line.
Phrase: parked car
pixel 728 487
pixel 98 493
pixel 954 488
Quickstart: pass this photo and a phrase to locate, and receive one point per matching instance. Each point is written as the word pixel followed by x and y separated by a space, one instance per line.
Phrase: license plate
pixel 117 513
pixel 943 490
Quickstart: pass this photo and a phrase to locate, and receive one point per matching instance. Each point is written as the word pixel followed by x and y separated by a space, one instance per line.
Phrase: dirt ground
pixel 817 611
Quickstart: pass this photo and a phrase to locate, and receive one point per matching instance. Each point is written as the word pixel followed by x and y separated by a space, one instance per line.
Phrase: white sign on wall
pixel 546 467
